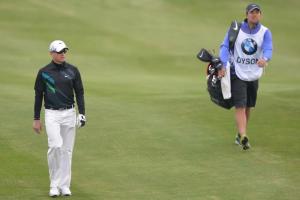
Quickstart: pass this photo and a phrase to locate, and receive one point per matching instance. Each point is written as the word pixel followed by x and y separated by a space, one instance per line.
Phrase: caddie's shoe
pixel 245 143
pixel 54 192
pixel 237 139
pixel 66 192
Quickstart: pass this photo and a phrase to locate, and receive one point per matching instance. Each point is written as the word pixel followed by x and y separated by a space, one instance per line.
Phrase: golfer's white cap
pixel 57 46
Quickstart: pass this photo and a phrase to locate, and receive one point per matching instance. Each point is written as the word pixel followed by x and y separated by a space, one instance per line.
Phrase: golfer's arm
pixel 38 105
pixel 38 87
pixel 79 92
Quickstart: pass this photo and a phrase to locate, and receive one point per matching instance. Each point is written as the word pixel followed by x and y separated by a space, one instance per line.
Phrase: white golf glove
pixel 80 120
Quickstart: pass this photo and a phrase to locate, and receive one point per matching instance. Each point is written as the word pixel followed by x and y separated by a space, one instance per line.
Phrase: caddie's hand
pixel 37 126
pixel 262 62
pixel 81 120
pixel 221 72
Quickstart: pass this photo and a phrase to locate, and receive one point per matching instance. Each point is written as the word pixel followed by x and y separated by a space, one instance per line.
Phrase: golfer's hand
pixel 37 126
pixel 262 63
pixel 81 120
pixel 221 72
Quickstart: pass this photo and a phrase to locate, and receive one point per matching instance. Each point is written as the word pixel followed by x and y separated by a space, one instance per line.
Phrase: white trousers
pixel 60 128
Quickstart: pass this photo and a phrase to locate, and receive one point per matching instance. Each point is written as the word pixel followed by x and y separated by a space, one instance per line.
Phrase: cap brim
pixel 60 49
pixel 257 8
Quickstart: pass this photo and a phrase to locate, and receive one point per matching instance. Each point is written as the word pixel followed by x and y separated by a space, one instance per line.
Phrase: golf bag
pixel 213 82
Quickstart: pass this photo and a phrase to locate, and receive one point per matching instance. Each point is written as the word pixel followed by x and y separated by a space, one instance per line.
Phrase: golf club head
pixel 210 70
pixel 204 56
pixel 233 33
pixel 216 62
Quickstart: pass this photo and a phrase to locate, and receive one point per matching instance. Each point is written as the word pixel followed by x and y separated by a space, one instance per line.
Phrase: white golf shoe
pixel 66 192
pixel 54 192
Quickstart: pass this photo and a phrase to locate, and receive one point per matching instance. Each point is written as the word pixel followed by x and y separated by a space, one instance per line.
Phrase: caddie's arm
pixel 224 55
pixel 267 48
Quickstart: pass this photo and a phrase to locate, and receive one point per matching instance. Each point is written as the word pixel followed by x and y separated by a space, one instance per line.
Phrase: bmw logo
pixel 249 46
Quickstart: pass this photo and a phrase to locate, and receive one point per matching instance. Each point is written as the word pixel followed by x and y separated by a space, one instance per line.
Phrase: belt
pixel 60 108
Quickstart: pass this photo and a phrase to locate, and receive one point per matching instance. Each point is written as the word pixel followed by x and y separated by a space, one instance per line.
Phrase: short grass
pixel 152 132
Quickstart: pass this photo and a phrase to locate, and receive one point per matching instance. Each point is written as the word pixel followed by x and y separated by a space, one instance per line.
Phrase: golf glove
pixel 81 120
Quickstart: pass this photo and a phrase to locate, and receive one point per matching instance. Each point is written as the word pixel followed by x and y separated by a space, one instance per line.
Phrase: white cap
pixel 57 46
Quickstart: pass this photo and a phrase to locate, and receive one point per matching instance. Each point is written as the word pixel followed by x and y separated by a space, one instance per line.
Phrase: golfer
pixel 252 52
pixel 56 83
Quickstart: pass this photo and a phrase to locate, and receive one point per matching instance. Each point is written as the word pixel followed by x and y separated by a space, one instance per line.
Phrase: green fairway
pixel 152 132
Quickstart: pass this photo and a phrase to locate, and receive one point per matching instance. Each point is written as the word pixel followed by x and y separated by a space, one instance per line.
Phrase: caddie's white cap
pixel 57 46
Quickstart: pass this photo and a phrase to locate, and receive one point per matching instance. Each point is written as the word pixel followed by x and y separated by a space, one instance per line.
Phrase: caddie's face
pixel 59 57
pixel 254 16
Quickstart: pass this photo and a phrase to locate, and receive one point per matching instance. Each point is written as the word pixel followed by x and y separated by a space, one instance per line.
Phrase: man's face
pixel 254 16
pixel 59 57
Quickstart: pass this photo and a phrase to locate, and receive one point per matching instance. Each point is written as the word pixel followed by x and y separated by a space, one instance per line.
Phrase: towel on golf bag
pixel 226 83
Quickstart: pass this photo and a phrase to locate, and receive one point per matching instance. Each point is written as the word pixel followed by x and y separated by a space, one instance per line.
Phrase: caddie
pixel 251 53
